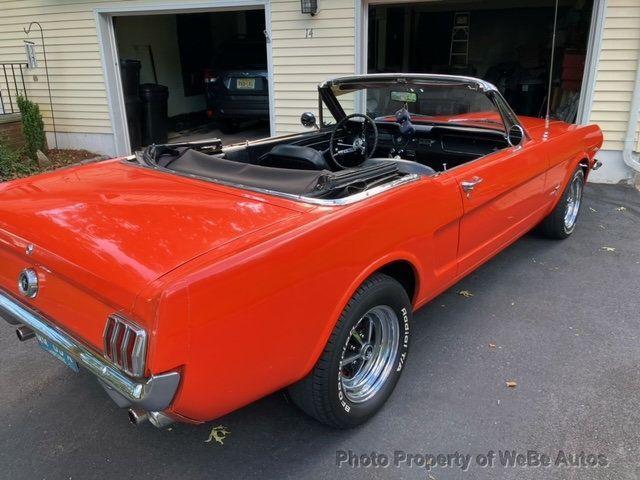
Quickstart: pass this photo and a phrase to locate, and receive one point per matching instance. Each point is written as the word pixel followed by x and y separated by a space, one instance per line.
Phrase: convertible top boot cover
pixel 296 182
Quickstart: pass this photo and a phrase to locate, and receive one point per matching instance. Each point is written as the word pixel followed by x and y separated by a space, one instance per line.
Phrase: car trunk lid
pixel 101 232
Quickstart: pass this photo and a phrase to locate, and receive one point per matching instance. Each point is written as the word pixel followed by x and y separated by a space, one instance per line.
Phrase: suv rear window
pixel 242 55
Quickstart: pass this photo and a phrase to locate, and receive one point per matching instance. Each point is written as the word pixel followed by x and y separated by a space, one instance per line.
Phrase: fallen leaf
pixel 219 434
pixel 593 209
pixel 512 383
pixel 621 209
pixel 492 345
pixel 465 293
pixel 608 249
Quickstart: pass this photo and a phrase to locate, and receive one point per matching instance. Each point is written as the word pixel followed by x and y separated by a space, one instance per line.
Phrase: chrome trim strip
pixel 123 350
pixel 153 393
pixel 113 340
pixel 424 77
pixel 119 356
pixel 335 202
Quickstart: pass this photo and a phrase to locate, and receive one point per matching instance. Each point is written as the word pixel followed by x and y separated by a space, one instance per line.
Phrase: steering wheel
pixel 353 142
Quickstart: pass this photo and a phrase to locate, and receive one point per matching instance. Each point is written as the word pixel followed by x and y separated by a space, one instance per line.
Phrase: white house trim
pixel 591 64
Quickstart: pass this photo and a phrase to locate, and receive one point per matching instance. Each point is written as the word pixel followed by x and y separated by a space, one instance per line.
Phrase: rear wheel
pixel 363 359
pixel 562 221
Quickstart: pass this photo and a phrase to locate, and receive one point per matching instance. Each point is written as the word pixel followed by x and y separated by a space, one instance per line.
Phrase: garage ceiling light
pixel 309 6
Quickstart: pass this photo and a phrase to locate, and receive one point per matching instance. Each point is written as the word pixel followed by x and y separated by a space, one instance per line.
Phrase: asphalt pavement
pixel 561 319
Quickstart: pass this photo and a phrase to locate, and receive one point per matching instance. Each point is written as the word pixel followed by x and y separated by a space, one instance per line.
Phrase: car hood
pixel 115 227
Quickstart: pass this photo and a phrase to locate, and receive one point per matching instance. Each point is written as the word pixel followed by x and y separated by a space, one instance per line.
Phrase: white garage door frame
pixel 109 53
pixel 590 69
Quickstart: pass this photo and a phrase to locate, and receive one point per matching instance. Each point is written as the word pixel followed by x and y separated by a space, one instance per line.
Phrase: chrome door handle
pixel 469 185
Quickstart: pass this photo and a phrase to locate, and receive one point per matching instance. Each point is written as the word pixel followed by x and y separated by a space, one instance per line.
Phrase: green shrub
pixel 32 127
pixel 13 163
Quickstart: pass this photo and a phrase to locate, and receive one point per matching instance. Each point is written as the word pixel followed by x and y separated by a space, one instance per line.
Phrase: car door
pixel 502 198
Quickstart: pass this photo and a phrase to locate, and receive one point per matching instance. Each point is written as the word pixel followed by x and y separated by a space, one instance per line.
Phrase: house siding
pixel 616 71
pixel 299 63
pixel 73 55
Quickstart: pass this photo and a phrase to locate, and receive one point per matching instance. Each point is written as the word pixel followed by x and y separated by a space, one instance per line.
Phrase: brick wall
pixel 11 130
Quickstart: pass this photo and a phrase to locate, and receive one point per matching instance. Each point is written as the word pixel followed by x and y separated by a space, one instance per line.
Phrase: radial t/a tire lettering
pixel 363 359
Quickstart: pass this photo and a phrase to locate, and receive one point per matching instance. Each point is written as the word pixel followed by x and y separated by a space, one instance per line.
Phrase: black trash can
pixel 130 75
pixel 133 107
pixel 531 95
pixel 154 113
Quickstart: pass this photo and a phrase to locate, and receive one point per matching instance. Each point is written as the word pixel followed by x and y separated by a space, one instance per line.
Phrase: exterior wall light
pixel 309 7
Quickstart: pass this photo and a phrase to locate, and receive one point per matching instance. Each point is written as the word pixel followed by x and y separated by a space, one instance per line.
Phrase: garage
pixel 192 75
pixel 504 42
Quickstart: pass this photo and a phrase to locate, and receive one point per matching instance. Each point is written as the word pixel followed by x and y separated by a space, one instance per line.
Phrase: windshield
pixel 427 103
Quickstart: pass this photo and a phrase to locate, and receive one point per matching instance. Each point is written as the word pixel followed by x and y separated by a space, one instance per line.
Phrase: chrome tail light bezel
pixel 125 345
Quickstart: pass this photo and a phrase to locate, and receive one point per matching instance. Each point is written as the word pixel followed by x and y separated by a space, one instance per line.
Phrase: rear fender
pixel 353 287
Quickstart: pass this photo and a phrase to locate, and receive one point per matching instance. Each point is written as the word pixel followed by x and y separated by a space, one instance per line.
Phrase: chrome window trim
pixel 417 77
pixel 335 202
pixel 154 393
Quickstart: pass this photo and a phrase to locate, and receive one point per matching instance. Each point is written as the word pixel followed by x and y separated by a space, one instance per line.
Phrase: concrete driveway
pixel 565 321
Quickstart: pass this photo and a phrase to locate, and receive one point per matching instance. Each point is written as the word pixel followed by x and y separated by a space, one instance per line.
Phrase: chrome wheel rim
pixel 369 354
pixel 574 198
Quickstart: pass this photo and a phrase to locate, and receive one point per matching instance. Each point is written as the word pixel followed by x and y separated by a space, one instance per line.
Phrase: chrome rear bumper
pixel 153 394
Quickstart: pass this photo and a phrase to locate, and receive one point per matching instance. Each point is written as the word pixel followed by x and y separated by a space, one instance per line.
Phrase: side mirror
pixel 515 135
pixel 308 119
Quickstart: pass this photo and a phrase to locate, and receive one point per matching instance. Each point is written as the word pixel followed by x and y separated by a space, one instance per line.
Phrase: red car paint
pixel 241 290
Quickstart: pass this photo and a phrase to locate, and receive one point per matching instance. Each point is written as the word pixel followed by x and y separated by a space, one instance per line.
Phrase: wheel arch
pixel 404 272
pixel 579 160
pixel 403 267
pixel 584 164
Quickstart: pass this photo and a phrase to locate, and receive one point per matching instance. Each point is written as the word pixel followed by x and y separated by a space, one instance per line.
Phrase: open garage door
pixel 504 42
pixel 189 74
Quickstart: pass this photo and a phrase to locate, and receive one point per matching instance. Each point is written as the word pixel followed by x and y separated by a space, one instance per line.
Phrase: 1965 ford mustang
pixel 194 279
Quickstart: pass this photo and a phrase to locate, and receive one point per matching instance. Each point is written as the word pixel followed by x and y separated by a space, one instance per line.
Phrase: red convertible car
pixel 193 279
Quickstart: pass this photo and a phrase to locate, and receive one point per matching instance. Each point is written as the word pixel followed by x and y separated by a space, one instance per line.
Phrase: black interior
pixel 436 146
pixel 303 165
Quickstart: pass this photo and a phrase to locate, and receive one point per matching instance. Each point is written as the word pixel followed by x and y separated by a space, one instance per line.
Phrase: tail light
pixel 209 76
pixel 125 343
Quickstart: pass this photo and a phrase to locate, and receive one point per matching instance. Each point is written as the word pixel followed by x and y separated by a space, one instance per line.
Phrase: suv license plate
pixel 53 349
pixel 245 83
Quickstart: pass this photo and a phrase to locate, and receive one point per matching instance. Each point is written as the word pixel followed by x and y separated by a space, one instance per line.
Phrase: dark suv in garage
pixel 237 87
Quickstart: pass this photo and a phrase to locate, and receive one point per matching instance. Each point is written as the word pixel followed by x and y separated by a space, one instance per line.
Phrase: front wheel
pixel 562 221
pixel 363 359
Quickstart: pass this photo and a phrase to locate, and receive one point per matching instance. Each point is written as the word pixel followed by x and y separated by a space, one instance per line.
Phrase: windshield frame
pixel 359 82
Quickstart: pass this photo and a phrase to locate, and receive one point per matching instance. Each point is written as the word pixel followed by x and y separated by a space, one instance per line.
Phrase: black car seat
pixel 295 157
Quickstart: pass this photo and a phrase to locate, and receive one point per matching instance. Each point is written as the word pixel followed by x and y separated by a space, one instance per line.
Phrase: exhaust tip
pixel 137 416
pixel 24 333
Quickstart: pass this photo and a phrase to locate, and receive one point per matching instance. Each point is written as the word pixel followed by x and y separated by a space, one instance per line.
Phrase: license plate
pixel 245 83
pixel 56 351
